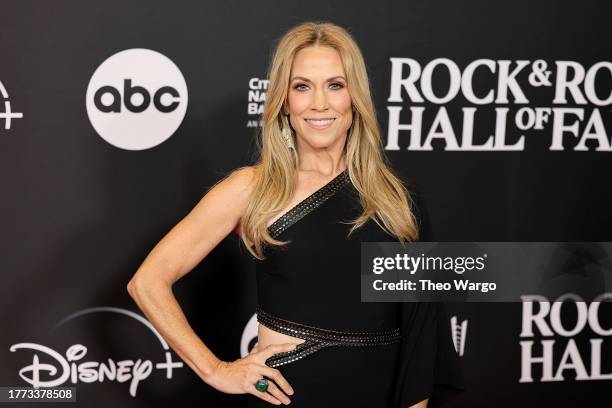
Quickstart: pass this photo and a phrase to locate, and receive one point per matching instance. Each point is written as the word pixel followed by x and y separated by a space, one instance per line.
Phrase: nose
pixel 319 100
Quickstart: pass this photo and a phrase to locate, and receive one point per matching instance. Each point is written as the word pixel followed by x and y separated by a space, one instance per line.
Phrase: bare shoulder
pixel 230 196
pixel 238 182
pixel 212 219
pixel 241 183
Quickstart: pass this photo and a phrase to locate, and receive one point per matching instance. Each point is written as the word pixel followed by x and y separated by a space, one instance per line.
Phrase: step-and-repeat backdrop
pixel 115 117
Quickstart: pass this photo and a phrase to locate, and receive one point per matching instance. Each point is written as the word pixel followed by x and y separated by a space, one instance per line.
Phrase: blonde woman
pixel 320 187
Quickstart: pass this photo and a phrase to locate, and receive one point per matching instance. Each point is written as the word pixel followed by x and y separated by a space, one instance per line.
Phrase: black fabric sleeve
pixel 418 350
pixel 429 366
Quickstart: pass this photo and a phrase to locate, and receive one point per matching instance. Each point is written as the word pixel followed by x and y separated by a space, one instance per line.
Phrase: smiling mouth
pixel 320 123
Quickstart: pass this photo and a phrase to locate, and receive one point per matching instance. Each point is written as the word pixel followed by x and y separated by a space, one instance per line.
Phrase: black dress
pixel 314 280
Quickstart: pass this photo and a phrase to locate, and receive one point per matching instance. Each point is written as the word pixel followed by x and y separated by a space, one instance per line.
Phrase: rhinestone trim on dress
pixel 317 339
pixel 308 204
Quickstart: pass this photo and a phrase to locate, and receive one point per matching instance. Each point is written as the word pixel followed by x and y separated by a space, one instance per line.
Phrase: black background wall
pixel 79 213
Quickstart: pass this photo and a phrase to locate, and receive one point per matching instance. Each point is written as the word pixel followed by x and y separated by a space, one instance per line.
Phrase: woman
pixel 319 189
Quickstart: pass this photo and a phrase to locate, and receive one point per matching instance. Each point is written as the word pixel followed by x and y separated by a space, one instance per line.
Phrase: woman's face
pixel 319 104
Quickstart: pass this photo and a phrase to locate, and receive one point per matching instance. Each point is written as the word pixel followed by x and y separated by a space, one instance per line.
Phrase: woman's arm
pixel 212 219
pixel 192 239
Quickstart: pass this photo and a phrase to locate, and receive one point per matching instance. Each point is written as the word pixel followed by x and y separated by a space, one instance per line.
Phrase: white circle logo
pixel 249 336
pixel 136 99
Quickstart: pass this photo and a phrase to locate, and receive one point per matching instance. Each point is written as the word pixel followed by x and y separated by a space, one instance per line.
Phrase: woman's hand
pixel 239 376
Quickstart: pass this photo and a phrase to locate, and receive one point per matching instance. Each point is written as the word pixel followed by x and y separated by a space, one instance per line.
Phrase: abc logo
pixel 136 99
pixel 142 95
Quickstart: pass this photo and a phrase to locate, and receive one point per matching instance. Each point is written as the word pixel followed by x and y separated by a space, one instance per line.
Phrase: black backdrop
pixel 79 214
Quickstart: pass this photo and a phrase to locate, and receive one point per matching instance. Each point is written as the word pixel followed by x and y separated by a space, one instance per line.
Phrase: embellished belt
pixel 317 339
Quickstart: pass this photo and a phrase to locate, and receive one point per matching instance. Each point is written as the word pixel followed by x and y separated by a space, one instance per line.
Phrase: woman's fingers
pixel 277 393
pixel 273 349
pixel 265 396
pixel 278 378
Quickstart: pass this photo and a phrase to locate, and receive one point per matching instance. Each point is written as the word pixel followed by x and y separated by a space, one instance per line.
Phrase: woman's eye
pixel 304 87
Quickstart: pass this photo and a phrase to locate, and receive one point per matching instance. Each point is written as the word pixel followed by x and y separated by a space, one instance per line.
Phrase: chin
pixel 321 142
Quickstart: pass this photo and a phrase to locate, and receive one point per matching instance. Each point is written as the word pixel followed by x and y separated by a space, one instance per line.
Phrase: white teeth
pixel 320 122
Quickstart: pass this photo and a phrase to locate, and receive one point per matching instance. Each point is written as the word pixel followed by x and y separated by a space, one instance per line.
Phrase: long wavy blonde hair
pixel 383 196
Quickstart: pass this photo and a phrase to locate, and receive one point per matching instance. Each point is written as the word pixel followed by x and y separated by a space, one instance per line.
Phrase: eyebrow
pixel 308 80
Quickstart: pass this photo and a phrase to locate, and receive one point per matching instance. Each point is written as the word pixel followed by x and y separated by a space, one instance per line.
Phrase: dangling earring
pixel 286 132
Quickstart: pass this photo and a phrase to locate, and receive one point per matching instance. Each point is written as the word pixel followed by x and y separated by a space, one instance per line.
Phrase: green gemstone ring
pixel 261 385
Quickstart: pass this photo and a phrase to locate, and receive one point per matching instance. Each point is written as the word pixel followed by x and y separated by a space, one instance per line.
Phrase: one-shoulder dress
pixel 312 285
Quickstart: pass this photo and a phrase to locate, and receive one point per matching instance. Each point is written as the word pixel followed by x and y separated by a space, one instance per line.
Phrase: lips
pixel 322 123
